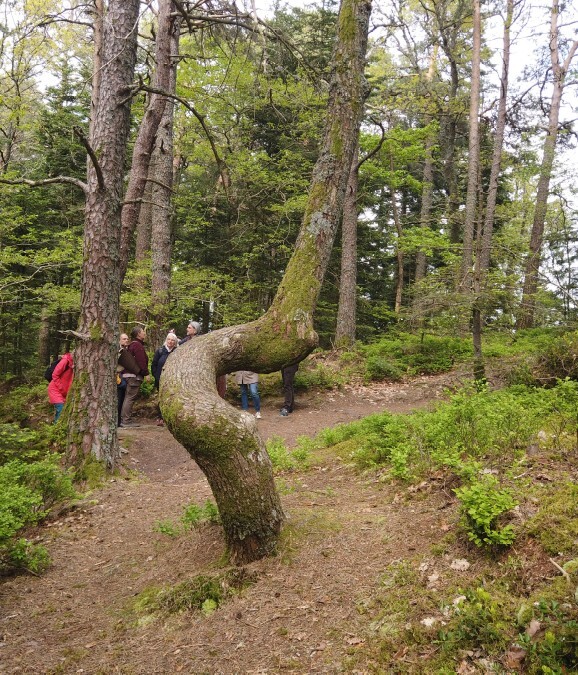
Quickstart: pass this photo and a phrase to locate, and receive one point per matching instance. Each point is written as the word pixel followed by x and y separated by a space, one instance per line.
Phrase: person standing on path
pixel 288 376
pixel 159 359
pixel 62 377
pixel 120 379
pixel 134 380
pixel 248 383
pixel 193 329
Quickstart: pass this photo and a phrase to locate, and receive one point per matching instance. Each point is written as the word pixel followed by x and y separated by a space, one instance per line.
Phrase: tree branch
pixel 93 158
pixel 46 181
pixel 222 166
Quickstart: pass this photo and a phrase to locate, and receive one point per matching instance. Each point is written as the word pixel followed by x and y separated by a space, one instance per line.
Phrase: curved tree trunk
pixel 347 308
pixel 91 409
pixel 223 440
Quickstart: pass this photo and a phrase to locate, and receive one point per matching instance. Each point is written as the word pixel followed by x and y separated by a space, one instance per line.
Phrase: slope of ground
pixel 306 612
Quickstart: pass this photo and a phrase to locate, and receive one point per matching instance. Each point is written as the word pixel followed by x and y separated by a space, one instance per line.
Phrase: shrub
pixel 27 492
pixel 285 460
pixel 482 505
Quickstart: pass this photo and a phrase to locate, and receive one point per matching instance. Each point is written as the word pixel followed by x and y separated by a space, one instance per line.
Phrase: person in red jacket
pixel 134 380
pixel 60 384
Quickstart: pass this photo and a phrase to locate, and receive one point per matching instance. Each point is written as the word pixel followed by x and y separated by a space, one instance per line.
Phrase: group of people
pixel 133 368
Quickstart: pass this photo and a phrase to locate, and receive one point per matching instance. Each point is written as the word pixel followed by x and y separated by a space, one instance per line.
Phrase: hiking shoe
pixel 284 412
pixel 258 415
pixel 160 423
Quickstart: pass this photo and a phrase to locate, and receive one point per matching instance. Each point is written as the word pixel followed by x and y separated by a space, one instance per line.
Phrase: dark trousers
pixel 132 391
pixel 120 392
pixel 288 375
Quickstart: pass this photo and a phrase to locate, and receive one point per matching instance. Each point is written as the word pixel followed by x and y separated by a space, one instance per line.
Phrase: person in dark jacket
pixel 159 359
pixel 134 380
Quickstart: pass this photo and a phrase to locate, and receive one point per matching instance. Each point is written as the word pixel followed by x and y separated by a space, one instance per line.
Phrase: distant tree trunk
pixel 465 280
pixel 347 308
pixel 162 213
pixel 146 137
pixel 448 30
pixel 398 248
pixel 144 226
pixel 559 72
pixel 427 189
pixel 142 255
pixel 483 258
pixel 223 440
pixel 44 338
pixel 91 410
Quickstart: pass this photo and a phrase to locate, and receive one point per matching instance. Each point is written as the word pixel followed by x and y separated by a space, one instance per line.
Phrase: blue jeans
pixel 252 388
pixel 57 410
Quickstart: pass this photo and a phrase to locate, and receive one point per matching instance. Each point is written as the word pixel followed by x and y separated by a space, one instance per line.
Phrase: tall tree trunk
pixel 91 410
pixel 465 280
pixel 142 256
pixel 145 141
pixel 398 248
pixel 44 338
pixel 448 29
pixel 559 71
pixel 162 214
pixel 482 264
pixel 347 308
pixel 223 440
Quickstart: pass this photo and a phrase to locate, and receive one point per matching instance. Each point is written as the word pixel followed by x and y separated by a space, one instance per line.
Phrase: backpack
pixel 50 369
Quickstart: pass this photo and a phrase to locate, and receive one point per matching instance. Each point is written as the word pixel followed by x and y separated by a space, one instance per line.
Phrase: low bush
pixel 27 492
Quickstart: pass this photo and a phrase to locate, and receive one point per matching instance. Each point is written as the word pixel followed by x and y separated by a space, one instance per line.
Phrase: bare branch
pixel 93 158
pixel 46 181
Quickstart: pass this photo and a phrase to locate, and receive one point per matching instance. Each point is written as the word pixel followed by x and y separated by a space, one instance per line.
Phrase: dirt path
pixel 303 615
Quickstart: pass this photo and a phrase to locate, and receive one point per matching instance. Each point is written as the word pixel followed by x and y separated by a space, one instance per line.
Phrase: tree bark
pixel 347 308
pixel 482 264
pixel 398 248
pixel 223 440
pixel 161 213
pixel 91 409
pixel 466 276
pixel 559 71
pixel 146 137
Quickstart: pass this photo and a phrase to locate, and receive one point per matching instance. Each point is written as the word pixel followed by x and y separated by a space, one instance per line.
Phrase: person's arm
pixel 137 350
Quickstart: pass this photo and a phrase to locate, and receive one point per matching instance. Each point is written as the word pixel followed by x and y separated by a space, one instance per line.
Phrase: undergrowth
pixel 204 593
pixel 193 516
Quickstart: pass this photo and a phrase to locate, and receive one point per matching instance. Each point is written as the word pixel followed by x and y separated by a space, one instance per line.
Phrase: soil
pixel 305 613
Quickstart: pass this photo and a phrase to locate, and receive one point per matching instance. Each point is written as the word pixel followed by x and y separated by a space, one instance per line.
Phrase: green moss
pixel 203 592
pixel 556 523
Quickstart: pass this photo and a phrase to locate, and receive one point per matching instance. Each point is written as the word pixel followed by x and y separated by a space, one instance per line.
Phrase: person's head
pixel 138 333
pixel 171 341
pixel 124 340
pixel 194 328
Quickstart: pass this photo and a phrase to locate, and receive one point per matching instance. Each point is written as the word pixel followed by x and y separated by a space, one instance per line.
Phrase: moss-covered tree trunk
pixel 223 440
pixel 91 409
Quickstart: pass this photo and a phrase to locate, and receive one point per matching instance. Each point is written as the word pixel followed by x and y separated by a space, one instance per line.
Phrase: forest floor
pixel 309 610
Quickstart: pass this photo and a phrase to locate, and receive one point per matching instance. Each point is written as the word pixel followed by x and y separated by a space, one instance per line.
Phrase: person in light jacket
pixel 60 384
pixel 248 383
